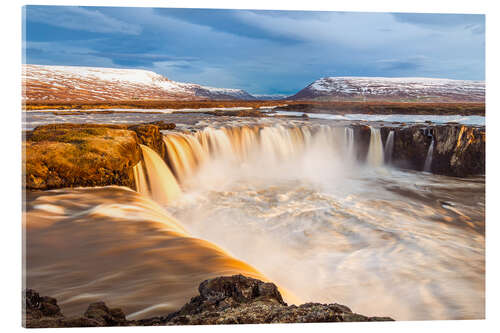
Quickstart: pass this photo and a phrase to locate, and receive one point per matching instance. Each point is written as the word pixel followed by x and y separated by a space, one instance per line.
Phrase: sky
pixel 262 52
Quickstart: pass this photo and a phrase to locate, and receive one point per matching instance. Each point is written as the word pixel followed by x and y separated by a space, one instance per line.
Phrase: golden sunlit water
pixel 291 203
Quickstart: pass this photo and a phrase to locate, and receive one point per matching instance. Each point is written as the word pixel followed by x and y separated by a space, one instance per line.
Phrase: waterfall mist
pixel 213 157
pixel 290 201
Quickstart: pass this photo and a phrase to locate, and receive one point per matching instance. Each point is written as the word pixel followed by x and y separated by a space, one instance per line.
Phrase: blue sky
pixel 263 52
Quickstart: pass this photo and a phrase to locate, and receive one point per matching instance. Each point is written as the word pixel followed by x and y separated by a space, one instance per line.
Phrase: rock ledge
pixel 223 300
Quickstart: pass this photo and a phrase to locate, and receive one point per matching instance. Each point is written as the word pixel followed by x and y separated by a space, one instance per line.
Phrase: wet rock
pixel 162 125
pixel 459 150
pixel 150 135
pixel 36 307
pixel 362 135
pixel 241 300
pixel 224 300
pixel 105 316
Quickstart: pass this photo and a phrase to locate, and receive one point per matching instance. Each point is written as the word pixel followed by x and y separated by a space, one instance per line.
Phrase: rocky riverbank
pixel 70 155
pixel 458 150
pixel 224 300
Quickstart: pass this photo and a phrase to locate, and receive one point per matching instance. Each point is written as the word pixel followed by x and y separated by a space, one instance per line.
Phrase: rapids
pixel 291 201
pixel 331 229
pixel 112 244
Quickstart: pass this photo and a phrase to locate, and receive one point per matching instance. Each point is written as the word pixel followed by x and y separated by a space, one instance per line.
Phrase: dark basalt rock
pixel 43 312
pixel 224 300
pixel 241 300
pixel 105 316
pixel 459 150
pixel 162 125
pixel 37 307
pixel 362 134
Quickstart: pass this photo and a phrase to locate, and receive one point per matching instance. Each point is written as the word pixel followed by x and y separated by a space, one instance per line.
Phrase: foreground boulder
pixel 43 312
pixel 241 300
pixel 224 300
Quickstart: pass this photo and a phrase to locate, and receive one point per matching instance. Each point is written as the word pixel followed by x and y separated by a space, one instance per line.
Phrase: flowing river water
pixel 291 203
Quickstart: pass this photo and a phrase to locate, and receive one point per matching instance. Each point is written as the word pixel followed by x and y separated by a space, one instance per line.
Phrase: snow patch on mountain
pixel 407 88
pixel 94 83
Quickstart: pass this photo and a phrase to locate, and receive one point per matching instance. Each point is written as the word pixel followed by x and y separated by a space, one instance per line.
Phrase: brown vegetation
pixel 68 155
pixel 477 109
pixel 72 155
pixel 146 104
pixel 301 106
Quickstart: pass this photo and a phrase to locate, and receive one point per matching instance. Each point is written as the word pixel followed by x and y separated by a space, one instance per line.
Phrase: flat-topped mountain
pixel 393 89
pixel 95 84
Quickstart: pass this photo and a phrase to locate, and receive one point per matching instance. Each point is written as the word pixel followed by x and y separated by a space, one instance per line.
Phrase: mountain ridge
pixel 392 89
pixel 84 84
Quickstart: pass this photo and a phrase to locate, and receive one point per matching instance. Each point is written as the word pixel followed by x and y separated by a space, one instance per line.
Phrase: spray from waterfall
pixel 428 159
pixel 257 150
pixel 389 147
pixel 375 156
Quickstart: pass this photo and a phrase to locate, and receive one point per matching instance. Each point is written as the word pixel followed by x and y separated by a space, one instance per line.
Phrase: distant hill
pixel 270 97
pixel 95 84
pixel 392 89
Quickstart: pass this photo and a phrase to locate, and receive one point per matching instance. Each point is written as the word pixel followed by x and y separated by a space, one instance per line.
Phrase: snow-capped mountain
pixel 393 89
pixel 84 84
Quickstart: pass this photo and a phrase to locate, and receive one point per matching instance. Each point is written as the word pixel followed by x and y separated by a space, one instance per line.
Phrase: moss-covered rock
pixel 70 155
pixel 150 135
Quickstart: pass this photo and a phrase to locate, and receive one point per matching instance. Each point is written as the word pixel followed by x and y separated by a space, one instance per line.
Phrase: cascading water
pixel 389 147
pixel 280 197
pixel 269 145
pixel 163 187
pixel 349 139
pixel 375 156
pixel 428 159
pixel 141 183
pixel 187 152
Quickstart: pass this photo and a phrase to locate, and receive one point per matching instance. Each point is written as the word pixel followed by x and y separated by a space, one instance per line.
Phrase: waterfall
pixel 141 184
pixel 186 152
pixel 428 159
pixel 349 139
pixel 163 186
pixel 266 145
pixel 389 147
pixel 376 151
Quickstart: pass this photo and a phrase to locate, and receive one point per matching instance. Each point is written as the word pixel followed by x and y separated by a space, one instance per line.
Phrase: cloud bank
pixel 263 52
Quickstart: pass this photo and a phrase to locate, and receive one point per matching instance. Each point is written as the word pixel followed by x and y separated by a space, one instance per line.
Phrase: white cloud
pixel 55 53
pixel 78 18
